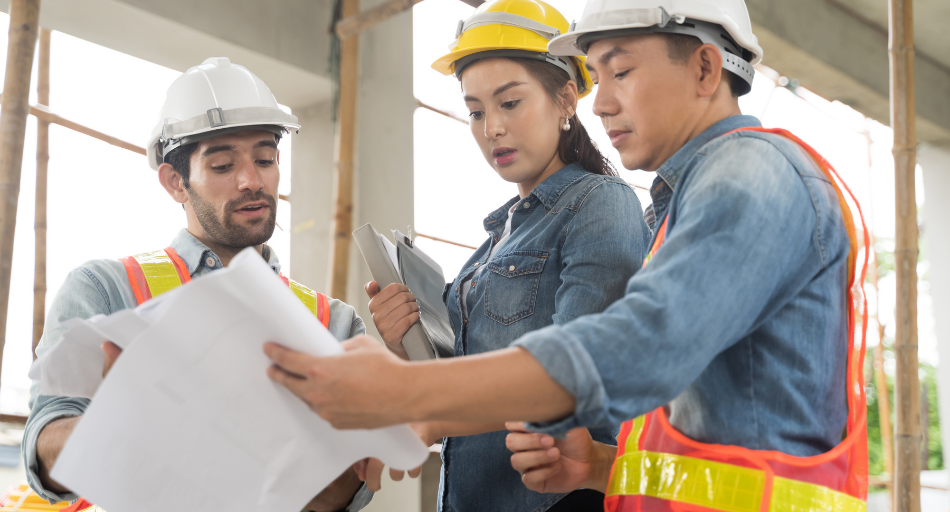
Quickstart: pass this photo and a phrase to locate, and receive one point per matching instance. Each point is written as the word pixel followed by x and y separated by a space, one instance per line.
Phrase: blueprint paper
pixel 188 419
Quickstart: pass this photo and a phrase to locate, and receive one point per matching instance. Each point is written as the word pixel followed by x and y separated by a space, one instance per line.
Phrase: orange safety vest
pixel 659 469
pixel 154 273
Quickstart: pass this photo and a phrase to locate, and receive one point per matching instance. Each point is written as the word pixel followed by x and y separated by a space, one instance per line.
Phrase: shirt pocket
pixel 512 288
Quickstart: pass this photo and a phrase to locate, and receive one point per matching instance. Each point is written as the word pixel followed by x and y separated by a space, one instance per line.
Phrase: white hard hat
pixel 723 23
pixel 211 99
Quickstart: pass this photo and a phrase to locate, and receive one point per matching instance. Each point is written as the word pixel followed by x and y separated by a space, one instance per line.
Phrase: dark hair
pixel 575 145
pixel 180 160
pixel 680 46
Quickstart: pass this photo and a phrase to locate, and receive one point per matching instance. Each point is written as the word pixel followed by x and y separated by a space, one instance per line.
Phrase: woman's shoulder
pixel 598 188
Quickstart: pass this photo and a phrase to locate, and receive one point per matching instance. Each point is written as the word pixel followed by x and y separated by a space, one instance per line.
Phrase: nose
pixel 249 176
pixel 494 127
pixel 605 103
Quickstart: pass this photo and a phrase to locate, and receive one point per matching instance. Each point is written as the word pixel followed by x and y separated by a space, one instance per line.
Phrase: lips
pixel 253 209
pixel 617 136
pixel 504 156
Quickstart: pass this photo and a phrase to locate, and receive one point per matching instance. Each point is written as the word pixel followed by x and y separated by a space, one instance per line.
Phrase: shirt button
pixel 511 268
pixel 477 264
pixel 210 262
pixel 526 205
pixel 473 285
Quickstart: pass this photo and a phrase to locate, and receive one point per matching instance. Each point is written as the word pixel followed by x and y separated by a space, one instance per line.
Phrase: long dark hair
pixel 575 144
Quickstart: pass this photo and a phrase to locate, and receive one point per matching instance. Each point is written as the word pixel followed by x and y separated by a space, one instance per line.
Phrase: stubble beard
pixel 226 232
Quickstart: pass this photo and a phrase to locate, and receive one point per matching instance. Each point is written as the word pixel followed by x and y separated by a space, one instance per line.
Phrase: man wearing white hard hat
pixel 732 361
pixel 215 148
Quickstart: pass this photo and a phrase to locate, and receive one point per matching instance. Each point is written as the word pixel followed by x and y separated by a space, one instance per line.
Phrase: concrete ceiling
pixel 931 19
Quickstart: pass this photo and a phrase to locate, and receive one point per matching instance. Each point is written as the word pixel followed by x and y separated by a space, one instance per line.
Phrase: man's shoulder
pixel 753 151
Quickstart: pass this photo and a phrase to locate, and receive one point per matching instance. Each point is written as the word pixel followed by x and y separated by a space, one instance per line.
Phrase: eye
pixel 476 115
pixel 265 163
pixel 220 168
pixel 620 75
pixel 509 105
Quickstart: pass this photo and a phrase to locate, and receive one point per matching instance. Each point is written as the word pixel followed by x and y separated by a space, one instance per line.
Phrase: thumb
pixel 372 288
pixel 359 343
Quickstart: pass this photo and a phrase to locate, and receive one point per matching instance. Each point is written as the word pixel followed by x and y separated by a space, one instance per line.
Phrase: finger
pixel 536 479
pixel 360 343
pixel 396 307
pixel 371 288
pixel 293 383
pixel 374 475
pixel 516 426
pixel 396 474
pixel 289 360
pixel 360 468
pixel 414 473
pixel 524 461
pixel 394 333
pixel 525 442
pixel 111 349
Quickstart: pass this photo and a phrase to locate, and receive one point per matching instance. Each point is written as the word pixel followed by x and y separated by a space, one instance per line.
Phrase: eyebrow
pixel 217 149
pixel 615 51
pixel 498 91
pixel 266 144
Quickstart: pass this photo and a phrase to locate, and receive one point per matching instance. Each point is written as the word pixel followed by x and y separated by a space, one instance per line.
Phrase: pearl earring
pixel 567 125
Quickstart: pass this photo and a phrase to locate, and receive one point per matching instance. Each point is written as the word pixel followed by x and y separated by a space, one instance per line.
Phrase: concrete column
pixel 935 162
pixel 311 193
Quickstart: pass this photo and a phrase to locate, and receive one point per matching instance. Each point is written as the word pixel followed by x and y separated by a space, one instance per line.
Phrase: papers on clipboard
pixel 402 262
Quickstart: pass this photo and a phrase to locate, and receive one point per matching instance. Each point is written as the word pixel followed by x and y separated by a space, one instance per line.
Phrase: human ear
pixel 569 99
pixel 171 181
pixel 708 61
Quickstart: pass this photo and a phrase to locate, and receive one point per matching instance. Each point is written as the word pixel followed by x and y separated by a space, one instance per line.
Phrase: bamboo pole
pixel 44 114
pixel 880 383
pixel 14 107
pixel 439 111
pixel 907 385
pixel 350 26
pixel 345 148
pixel 42 164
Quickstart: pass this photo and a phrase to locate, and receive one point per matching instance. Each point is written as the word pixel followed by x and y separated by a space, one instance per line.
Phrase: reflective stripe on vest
pixel 81 505
pixel 658 468
pixel 154 273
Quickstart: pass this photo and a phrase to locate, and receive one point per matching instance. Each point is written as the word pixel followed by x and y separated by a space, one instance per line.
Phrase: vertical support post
pixel 924 427
pixel 907 385
pixel 880 383
pixel 42 163
pixel 14 107
pixel 343 159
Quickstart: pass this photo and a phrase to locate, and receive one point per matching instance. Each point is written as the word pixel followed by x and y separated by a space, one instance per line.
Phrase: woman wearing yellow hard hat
pixel 562 248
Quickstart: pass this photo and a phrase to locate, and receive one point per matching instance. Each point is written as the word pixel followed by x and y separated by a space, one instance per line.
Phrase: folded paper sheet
pixel 188 419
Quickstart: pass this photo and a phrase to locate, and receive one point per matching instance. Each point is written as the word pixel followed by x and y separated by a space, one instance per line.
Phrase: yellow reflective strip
pixel 306 295
pixel 160 273
pixel 633 440
pixel 719 486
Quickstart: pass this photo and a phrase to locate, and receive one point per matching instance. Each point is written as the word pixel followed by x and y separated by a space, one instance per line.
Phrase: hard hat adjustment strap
pixel 216 117
pixel 505 18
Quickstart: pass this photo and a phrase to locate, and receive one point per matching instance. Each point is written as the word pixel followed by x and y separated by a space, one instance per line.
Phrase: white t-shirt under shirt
pixel 467 285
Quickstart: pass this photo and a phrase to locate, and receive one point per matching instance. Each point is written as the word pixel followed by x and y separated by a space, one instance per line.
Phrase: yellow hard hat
pixel 513 28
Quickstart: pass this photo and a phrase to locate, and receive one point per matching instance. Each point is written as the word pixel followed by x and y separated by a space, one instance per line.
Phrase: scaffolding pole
pixel 14 107
pixel 907 384
pixel 42 164
pixel 344 155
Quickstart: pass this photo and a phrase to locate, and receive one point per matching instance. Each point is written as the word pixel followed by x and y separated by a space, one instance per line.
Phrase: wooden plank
pixel 14 107
pixel 439 111
pixel 907 384
pixel 353 25
pixel 39 222
pixel 43 113
pixel 343 168
pixel 444 241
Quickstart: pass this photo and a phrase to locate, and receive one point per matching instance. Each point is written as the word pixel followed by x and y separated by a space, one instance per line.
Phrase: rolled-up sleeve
pixel 742 237
pixel 81 296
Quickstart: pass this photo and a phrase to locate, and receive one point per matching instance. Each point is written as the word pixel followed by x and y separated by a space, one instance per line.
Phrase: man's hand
pixel 337 495
pixel 553 466
pixel 365 387
pixel 112 352
pixel 394 311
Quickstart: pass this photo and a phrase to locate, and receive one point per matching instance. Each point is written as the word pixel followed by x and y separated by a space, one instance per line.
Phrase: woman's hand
pixel 394 311
pixel 371 470
pixel 553 466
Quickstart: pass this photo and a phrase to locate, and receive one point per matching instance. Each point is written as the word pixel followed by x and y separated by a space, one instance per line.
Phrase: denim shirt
pixel 575 240
pixel 102 287
pixel 738 323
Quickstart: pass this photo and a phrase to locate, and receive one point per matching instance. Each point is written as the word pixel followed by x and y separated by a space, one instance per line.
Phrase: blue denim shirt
pixel 102 287
pixel 575 240
pixel 738 322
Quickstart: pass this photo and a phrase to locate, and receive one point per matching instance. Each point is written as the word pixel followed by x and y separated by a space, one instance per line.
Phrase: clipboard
pixel 432 336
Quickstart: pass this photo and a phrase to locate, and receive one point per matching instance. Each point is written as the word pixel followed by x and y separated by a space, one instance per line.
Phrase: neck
pixel 223 252
pixel 692 128
pixel 553 166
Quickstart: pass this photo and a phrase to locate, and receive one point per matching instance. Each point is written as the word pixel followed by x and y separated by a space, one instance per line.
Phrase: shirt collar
pixel 671 170
pixel 196 254
pixel 550 190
